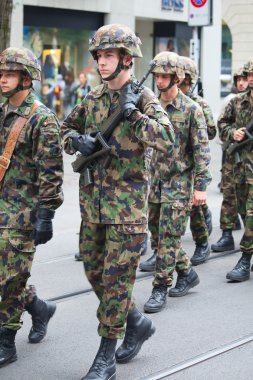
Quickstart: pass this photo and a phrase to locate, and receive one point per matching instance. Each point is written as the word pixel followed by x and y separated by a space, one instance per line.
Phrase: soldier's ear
pixel 27 80
pixel 127 60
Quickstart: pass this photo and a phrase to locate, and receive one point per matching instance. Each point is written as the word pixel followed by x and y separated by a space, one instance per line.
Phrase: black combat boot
pixel 8 352
pixel 225 243
pixel 185 281
pixel 149 264
pixel 208 220
pixel 104 365
pixel 157 300
pixel 41 312
pixel 241 271
pixel 201 253
pixel 138 329
pixel 78 257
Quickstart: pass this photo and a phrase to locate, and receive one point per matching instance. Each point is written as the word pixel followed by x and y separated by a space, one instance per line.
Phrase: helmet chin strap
pixel 118 69
pixel 20 87
pixel 172 82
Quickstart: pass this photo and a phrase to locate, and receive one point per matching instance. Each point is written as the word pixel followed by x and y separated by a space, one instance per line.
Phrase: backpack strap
pixel 5 158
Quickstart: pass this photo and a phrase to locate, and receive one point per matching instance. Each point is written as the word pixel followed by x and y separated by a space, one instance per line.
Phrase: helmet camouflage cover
pixel 239 73
pixel 115 36
pixel 190 68
pixel 20 59
pixel 168 62
pixel 248 67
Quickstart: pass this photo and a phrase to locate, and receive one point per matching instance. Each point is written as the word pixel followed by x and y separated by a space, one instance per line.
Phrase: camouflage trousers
pixel 110 254
pixel 229 207
pixel 167 224
pixel 198 224
pixel 16 255
pixel 244 193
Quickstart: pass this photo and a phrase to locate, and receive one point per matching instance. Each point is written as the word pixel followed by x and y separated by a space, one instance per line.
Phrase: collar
pixel 177 102
pixel 24 109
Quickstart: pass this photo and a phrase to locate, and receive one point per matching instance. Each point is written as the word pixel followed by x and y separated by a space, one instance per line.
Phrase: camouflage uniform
pixel 114 207
pixel 173 183
pixel 174 178
pixel 198 214
pixel 237 114
pixel 33 180
pixel 229 208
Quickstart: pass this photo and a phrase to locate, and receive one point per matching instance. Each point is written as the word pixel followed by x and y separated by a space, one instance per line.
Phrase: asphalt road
pixel 206 335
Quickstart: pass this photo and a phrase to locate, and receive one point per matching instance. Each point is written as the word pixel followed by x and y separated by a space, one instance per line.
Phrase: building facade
pixel 58 32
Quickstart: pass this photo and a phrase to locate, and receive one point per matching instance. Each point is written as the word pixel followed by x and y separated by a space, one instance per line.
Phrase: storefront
pixel 58 32
pixel 60 38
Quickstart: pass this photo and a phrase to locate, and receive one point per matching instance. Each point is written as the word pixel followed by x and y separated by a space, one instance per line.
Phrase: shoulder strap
pixel 5 158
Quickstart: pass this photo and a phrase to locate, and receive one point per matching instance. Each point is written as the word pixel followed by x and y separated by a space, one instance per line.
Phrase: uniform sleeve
pixel 152 124
pixel 49 161
pixel 72 125
pixel 211 128
pixel 201 150
pixel 226 122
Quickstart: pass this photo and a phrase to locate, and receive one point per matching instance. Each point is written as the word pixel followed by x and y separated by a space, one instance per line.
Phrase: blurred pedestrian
pixel 232 124
pixel 114 204
pixel 178 181
pixel 200 216
pixel 83 88
pixel 30 180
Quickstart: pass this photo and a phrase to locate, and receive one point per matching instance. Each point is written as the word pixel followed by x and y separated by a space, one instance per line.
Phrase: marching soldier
pixel 31 171
pixel 178 181
pixel 114 203
pixel 229 209
pixel 232 124
pixel 200 216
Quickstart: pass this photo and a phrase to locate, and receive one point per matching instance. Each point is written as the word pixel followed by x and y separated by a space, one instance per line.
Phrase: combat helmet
pixel 20 59
pixel 239 73
pixel 248 67
pixel 190 68
pixel 168 62
pixel 115 36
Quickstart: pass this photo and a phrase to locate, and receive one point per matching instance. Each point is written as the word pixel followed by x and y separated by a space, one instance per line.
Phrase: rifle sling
pixel 15 131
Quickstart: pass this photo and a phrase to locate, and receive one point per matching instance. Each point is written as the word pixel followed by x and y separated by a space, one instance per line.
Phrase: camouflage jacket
pixel 34 177
pixel 174 177
pixel 119 193
pixel 211 128
pixel 237 114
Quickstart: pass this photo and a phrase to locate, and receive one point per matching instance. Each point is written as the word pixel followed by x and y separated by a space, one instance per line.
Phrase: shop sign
pixel 176 5
pixel 199 12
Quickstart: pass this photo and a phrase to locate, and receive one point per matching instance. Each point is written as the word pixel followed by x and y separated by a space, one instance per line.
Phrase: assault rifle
pixel 237 145
pixel 86 163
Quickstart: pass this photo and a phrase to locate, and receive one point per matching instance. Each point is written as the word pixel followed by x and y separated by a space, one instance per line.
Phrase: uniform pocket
pixel 176 216
pixel 22 243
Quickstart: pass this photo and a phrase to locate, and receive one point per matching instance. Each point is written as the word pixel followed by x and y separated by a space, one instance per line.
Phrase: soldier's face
pixel 241 83
pixel 250 80
pixel 107 61
pixel 9 79
pixel 162 80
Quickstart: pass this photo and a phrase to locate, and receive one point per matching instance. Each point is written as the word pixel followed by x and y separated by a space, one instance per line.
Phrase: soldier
pixel 229 209
pixel 31 172
pixel 178 180
pixel 200 216
pixel 114 205
pixel 231 124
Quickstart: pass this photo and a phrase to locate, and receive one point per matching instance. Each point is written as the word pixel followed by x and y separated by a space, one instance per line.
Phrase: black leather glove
pixel 43 231
pixel 85 144
pixel 128 100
